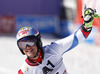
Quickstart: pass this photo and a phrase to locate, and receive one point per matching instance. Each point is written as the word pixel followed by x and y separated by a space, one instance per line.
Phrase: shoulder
pixel 51 48
pixel 23 68
pixel 20 72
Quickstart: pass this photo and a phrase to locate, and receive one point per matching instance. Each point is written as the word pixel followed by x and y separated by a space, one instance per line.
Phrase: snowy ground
pixel 84 59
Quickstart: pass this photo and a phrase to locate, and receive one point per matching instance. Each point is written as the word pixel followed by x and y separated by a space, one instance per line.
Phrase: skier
pixel 48 59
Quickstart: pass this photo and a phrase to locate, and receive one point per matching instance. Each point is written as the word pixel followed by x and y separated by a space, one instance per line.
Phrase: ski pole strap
pixel 96 16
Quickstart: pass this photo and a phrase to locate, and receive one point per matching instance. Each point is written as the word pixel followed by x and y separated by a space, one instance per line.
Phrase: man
pixel 48 59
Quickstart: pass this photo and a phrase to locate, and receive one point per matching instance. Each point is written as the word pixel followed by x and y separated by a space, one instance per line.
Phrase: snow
pixel 83 59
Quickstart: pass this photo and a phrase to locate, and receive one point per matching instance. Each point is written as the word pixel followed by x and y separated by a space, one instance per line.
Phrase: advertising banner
pixel 45 24
pixel 7 24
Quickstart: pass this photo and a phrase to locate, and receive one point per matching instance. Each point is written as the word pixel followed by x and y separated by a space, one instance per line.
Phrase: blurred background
pixel 55 19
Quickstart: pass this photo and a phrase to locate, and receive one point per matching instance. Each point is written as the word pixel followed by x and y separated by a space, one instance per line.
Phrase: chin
pixel 31 56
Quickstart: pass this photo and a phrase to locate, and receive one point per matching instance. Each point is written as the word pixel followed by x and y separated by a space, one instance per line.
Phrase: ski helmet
pixel 29 32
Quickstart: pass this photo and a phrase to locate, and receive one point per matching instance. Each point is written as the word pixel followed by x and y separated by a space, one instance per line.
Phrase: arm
pixel 80 35
pixel 73 40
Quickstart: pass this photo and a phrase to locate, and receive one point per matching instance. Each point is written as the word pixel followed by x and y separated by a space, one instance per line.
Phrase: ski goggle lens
pixel 27 41
pixel 23 45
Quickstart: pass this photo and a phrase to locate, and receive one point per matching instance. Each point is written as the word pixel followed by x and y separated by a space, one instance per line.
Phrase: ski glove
pixel 88 16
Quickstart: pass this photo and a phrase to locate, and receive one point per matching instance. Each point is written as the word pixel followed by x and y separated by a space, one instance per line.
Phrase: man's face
pixel 31 51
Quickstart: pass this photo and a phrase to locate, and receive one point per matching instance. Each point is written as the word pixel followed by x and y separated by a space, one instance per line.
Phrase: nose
pixel 28 47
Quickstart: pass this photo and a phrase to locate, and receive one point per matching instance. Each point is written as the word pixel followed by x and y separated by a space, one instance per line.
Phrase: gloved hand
pixel 88 16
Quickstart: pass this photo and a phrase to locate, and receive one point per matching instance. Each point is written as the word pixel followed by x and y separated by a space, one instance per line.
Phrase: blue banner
pixel 45 24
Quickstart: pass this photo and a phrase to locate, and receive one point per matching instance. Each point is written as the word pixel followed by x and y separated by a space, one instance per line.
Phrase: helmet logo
pixel 22 32
pixel 24 28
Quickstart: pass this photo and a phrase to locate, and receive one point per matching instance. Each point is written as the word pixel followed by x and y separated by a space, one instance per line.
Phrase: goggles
pixel 27 41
